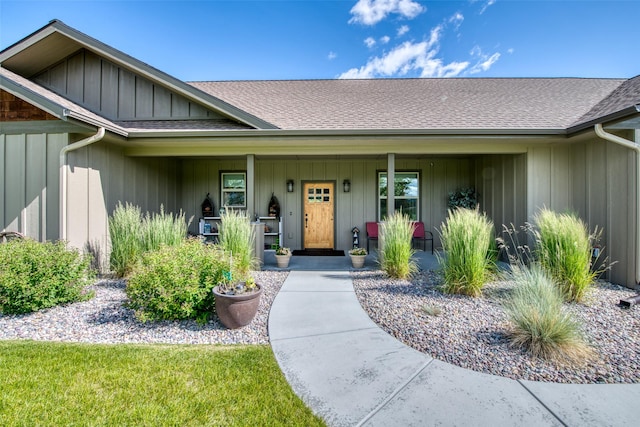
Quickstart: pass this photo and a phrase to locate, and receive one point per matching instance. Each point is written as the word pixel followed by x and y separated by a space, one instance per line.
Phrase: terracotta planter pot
pixel 283 260
pixel 357 260
pixel 236 311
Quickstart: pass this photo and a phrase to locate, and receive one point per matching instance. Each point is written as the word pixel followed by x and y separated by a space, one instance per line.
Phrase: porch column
pixel 391 180
pixel 251 175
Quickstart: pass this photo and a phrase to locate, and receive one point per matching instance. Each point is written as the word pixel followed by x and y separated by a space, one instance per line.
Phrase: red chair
pixel 419 233
pixel 372 232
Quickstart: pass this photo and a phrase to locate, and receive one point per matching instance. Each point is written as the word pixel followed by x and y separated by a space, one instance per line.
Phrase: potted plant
pixel 237 301
pixel 358 256
pixel 283 255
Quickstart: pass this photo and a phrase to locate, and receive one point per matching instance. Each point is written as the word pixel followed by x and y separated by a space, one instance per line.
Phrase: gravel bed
pixel 472 332
pixel 104 319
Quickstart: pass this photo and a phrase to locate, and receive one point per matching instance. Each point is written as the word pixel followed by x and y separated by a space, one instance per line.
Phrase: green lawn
pixel 144 385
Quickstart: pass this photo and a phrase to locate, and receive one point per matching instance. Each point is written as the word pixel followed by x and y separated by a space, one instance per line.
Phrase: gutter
pixel 636 147
pixel 63 176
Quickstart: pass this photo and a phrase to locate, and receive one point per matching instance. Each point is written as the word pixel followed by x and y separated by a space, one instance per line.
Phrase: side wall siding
pixel 596 180
pixel 29 195
pixel 99 177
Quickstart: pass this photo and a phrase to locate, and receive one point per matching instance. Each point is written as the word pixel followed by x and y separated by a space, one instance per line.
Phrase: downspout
pixel 63 176
pixel 634 146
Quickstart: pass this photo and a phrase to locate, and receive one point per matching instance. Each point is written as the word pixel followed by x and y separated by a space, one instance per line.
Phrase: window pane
pixel 233 198
pixel 382 185
pixel 406 185
pixel 233 180
pixel 408 207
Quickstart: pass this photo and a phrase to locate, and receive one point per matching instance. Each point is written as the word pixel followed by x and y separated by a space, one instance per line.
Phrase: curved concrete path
pixel 350 372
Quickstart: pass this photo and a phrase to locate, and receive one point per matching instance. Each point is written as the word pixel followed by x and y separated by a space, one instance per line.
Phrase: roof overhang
pixel 57 41
pixel 627 118
pixel 80 121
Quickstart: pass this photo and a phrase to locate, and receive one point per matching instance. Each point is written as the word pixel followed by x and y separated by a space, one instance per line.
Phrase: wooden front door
pixel 317 223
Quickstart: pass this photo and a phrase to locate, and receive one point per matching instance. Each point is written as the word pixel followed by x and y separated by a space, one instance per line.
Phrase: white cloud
pixel 332 56
pixel 370 12
pixel 385 39
pixel 403 30
pixel 370 42
pixel 456 20
pixel 406 57
pixel 486 6
pixel 484 61
pixel 510 50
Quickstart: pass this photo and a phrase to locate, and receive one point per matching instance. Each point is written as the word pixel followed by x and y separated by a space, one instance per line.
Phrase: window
pixel 234 189
pixel 406 194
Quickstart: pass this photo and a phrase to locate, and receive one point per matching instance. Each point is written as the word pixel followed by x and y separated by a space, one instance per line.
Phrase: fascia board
pixel 56 109
pixel 164 79
pixel 39 101
pixel 613 117
pixel 369 133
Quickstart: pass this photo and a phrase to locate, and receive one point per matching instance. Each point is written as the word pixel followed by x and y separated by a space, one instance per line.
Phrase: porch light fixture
pixel 346 185
pixel 290 186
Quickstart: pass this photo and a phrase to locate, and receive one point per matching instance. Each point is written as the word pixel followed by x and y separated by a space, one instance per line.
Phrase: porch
pixel 426 261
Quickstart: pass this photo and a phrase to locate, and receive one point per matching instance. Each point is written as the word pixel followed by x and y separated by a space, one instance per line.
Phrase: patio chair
pixel 419 233
pixel 372 232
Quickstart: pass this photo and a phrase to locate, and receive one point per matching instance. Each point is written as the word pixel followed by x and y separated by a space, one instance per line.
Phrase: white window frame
pixel 224 190
pixel 381 173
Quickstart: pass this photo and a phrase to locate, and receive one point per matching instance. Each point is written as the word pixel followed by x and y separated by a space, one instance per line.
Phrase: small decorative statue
pixel 207 207
pixel 274 207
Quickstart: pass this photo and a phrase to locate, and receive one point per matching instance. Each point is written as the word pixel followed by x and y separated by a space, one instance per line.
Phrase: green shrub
pixel 396 251
pixel 237 238
pixel 563 248
pixel 125 230
pixel 176 282
pixel 539 321
pixel 38 275
pixel 467 239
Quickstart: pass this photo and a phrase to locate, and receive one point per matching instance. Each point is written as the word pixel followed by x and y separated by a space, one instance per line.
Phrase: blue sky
pixel 318 39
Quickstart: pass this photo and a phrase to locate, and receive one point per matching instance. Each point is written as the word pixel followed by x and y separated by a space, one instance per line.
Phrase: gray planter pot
pixel 236 311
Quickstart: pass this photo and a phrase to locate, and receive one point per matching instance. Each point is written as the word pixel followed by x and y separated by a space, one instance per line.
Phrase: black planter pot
pixel 236 311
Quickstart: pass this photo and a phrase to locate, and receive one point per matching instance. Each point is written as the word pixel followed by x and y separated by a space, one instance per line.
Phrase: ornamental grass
pixel 237 238
pixel 539 321
pixel 469 260
pixel 563 248
pixel 396 251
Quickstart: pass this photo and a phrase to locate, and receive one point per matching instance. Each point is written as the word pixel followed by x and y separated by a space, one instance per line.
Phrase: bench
pixel 372 232
pixel 419 234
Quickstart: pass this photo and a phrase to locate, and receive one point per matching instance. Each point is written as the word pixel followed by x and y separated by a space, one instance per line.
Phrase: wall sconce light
pixel 346 185
pixel 290 186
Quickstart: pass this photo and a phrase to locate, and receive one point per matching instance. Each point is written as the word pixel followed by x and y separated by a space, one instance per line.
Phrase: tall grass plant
pixel 237 238
pixel 163 229
pixel 125 230
pixel 396 235
pixel 563 248
pixel 469 261
pixel 539 322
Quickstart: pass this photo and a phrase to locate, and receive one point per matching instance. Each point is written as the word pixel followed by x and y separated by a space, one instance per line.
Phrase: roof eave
pixel 617 116
pixel 347 133
pixel 139 67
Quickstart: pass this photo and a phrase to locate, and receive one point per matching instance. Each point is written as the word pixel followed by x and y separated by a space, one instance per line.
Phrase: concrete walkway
pixel 350 372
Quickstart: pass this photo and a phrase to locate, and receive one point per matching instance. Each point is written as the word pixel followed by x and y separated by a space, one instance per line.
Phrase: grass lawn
pixel 43 383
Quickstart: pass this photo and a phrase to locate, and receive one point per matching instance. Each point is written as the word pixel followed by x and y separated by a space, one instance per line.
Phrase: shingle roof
pixel 624 96
pixel 439 104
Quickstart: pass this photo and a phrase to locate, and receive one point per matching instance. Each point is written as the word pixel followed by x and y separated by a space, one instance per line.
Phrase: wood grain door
pixel 318 209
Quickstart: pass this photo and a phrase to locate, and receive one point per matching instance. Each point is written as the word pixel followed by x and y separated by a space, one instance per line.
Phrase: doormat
pixel 318 252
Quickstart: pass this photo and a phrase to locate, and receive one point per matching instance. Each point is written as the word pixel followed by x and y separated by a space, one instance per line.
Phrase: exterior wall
pixel 29 194
pixel 115 92
pixel 501 182
pixel 595 179
pixel 99 177
pixel 438 176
